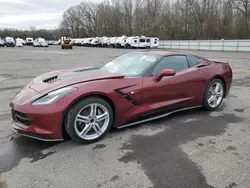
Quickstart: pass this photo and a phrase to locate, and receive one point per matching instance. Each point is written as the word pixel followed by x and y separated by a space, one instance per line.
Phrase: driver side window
pixel 176 63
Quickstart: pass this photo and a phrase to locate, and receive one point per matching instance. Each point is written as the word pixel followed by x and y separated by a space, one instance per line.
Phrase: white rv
pixel 104 41
pixel 121 41
pixel 113 41
pixel 154 43
pixel 9 42
pixel 95 42
pixel 29 41
pixel 139 42
pixel 40 40
pixel 87 41
pixel 19 42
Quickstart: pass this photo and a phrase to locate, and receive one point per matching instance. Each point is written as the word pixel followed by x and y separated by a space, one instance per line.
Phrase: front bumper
pixel 21 132
pixel 65 44
pixel 38 122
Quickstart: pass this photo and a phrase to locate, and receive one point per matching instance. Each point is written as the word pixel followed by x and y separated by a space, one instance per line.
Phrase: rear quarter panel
pixel 218 70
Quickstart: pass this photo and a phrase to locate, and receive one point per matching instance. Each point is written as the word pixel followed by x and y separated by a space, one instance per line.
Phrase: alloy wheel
pixel 91 121
pixel 215 95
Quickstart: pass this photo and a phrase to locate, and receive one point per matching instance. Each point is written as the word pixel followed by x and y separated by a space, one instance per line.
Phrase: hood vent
pixel 51 79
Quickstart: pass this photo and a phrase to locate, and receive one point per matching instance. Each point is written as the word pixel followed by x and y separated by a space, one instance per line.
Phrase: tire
pixel 217 96
pixel 75 126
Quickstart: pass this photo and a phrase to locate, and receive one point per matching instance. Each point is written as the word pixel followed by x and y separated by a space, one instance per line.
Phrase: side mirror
pixel 166 72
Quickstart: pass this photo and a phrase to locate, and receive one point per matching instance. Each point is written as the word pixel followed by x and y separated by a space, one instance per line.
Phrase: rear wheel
pixel 213 95
pixel 89 120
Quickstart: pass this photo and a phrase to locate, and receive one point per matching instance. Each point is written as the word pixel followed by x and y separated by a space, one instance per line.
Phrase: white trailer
pixel 9 42
pixel 29 41
pixel 40 40
pixel 121 41
pixel 104 41
pixel 113 41
pixel 87 41
pixel 154 42
pixel 139 42
pixel 19 42
pixel 95 42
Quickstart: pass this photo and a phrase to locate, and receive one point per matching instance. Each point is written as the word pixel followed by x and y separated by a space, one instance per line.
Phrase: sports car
pixel 137 87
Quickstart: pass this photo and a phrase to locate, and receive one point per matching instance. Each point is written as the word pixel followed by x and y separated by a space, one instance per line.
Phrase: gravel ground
pixel 188 149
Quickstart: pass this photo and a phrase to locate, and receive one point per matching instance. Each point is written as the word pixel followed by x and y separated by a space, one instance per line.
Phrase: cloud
pixel 39 13
pixel 29 17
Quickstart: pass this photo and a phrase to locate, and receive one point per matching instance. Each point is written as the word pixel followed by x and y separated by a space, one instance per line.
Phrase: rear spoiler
pixel 218 61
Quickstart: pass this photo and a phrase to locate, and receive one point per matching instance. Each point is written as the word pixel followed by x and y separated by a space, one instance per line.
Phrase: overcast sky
pixel 22 14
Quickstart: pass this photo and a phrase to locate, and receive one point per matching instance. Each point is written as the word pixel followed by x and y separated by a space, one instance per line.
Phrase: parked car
pixel 134 88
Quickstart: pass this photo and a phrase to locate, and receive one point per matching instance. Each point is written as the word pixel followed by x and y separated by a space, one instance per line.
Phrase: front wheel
pixel 213 95
pixel 89 120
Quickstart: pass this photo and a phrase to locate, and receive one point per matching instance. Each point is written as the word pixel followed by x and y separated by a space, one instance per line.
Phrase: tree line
pixel 166 19
pixel 32 32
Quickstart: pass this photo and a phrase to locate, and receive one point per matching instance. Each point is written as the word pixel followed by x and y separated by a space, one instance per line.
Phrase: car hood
pixel 58 79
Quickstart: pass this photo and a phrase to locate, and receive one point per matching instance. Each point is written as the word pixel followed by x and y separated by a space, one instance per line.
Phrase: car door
pixel 179 91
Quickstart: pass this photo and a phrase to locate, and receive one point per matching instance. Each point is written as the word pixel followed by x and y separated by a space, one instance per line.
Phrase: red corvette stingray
pixel 133 88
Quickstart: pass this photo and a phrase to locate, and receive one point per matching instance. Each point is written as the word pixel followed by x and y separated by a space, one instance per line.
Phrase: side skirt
pixel 157 117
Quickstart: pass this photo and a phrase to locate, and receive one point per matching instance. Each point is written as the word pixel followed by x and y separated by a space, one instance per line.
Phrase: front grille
pixel 20 117
pixel 51 79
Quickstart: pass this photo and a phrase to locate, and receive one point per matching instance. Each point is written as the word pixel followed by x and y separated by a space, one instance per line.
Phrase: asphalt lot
pixel 192 149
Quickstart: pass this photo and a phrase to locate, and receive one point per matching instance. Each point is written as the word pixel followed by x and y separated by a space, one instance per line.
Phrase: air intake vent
pixel 49 80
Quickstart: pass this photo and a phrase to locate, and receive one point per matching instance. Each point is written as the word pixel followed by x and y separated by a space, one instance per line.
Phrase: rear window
pixel 148 40
pixel 192 61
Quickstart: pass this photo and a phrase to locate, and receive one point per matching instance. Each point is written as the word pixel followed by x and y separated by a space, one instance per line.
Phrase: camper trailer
pixel 121 41
pixel 29 41
pixel 113 42
pixel 154 42
pixel 95 42
pixel 139 42
pixel 19 42
pixel 9 42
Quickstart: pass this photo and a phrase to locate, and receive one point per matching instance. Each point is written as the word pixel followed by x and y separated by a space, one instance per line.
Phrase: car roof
pixel 161 52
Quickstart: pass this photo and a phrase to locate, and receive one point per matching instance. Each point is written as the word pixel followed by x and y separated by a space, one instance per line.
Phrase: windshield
pixel 131 64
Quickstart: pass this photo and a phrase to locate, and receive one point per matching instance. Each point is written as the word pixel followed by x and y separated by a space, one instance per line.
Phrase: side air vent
pixel 51 79
pixel 127 97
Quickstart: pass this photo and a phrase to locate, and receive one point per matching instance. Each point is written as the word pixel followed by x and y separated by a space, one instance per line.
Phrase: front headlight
pixel 54 96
